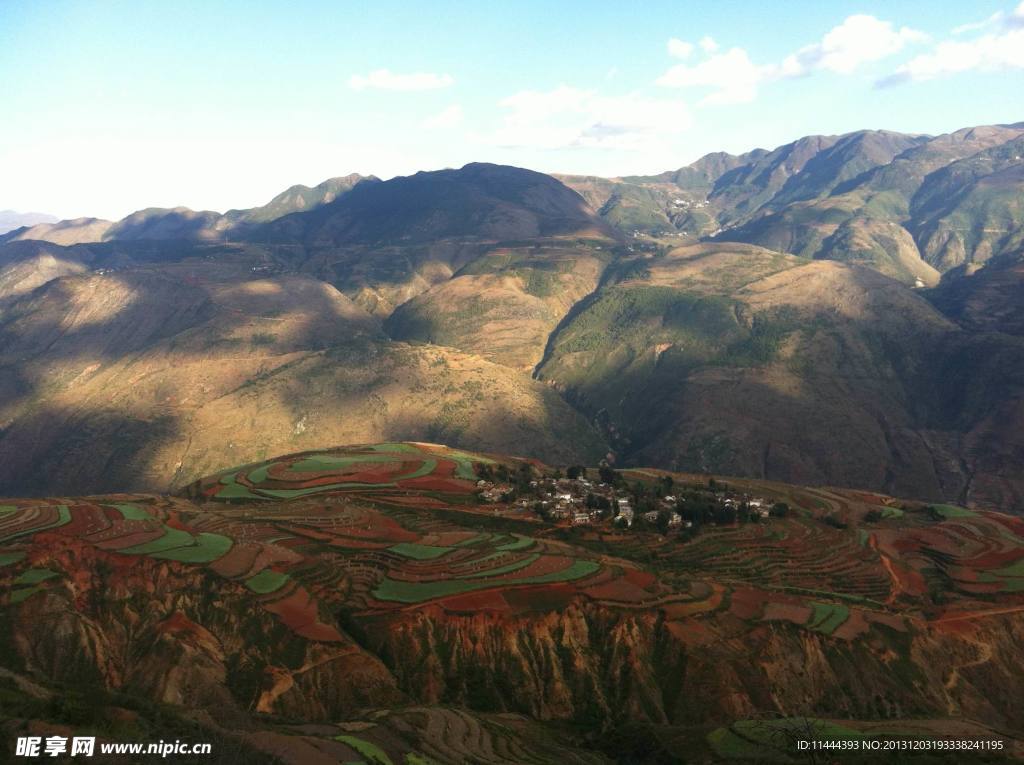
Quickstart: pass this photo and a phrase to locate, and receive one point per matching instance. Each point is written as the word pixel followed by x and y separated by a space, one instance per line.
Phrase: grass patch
pixel 171 539
pixel 428 467
pixel 827 617
pixel 417 551
pixel 506 569
pixel 373 753
pixel 35 576
pixel 6 559
pixel 952 511
pixel 133 512
pixel 24 593
pixel 324 463
pixel 266 582
pixel 234 490
pixel 395 447
pixel 207 548
pixel 519 543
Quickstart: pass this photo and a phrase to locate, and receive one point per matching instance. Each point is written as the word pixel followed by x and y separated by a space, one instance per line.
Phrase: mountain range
pixel 840 310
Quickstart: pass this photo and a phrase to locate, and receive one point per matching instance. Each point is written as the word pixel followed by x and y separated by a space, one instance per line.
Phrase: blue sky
pixel 108 107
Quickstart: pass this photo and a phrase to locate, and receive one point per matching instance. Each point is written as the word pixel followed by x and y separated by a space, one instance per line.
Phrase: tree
pixel 609 476
pixel 665 484
pixel 662 522
pixel 576 471
pixel 779 510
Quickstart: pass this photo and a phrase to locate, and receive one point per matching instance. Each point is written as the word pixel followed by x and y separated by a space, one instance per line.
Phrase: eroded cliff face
pixel 589 663
pixel 182 636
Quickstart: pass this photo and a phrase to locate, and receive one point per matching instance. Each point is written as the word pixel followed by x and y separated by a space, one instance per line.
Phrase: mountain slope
pixel 731 358
pixel 146 377
pixel 479 201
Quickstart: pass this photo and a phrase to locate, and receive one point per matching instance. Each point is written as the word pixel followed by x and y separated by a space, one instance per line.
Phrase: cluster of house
pixel 685 203
pixel 574 499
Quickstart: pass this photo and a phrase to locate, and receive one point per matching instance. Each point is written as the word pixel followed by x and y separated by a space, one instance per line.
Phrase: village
pixel 583 497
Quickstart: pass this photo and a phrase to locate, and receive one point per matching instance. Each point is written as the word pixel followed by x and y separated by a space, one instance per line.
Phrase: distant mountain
pixel 479 201
pixel 65 232
pixel 300 198
pixel 761 314
pixel 910 206
pixel 181 223
pixel 11 219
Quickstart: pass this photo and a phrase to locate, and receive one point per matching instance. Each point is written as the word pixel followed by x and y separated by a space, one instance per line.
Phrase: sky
pixel 109 107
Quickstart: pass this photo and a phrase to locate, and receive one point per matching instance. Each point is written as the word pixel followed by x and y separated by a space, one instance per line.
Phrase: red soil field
pixel 298 612
pixel 620 590
pixel 1013 524
pixel 351 543
pixel 995 559
pixel 488 600
pixel 174 521
pixel 748 604
pixel 444 469
pixel 550 597
pixel 410 501
pixel 889 620
pixel 85 519
pixel 854 626
pixel 238 560
pixel 545 564
pixel 121 541
pixel 271 555
pixel 684 609
pixel 786 612
pixel 432 483
pixel 642 579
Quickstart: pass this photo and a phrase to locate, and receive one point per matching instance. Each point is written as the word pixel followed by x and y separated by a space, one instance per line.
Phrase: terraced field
pixel 373 537
pixel 362 526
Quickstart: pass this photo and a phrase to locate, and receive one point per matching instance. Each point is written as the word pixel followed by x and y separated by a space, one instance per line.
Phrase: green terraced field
pixel 827 617
pixel 266 582
pixel 171 539
pixel 419 552
pixel 374 754
pixel 133 512
pixel 506 569
pixel 519 543
pixel 35 576
pixel 952 511
pixel 207 548
pixel 6 559
pixel 63 516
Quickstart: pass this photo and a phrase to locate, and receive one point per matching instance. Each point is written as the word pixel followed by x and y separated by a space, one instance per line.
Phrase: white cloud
pixel 974 26
pixel 446 118
pixel 707 44
pixel 860 39
pixel 679 49
pixel 572 117
pixel 998 50
pixel 384 79
pixel 988 53
pixel 732 76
